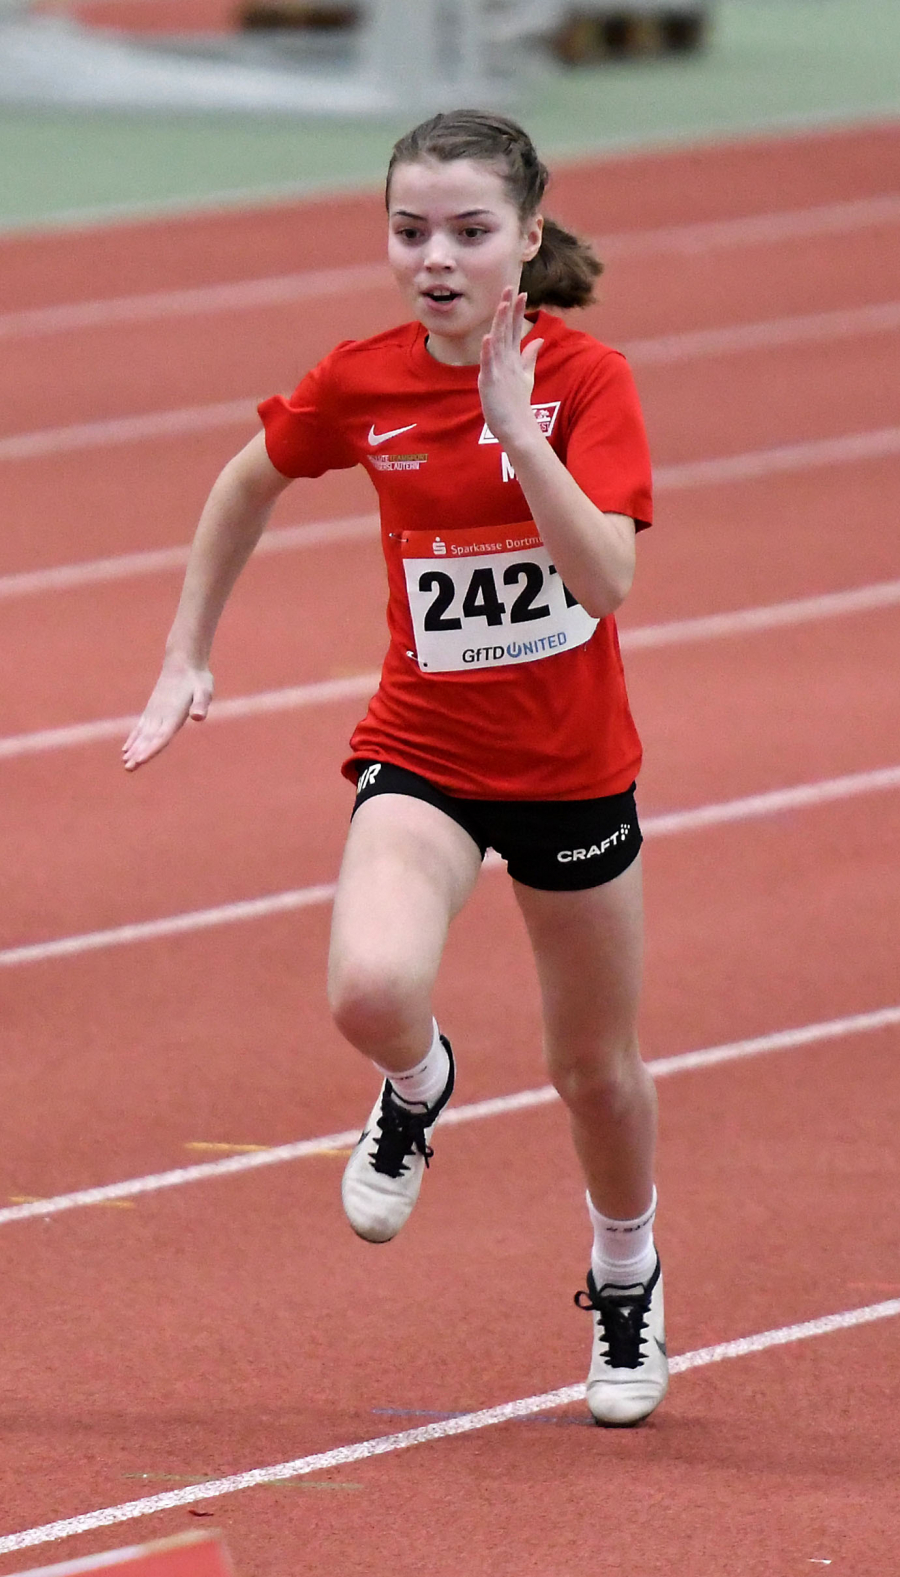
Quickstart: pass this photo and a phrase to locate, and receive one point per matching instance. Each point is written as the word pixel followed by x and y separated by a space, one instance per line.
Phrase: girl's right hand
pixel 182 691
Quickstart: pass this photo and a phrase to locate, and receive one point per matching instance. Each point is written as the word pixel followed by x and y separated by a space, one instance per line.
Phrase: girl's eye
pixel 473 232
pixel 408 233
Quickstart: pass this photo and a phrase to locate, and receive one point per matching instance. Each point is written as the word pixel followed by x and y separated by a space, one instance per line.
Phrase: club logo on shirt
pixel 545 415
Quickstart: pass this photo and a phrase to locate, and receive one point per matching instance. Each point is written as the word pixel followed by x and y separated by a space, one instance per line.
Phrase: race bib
pixel 487 599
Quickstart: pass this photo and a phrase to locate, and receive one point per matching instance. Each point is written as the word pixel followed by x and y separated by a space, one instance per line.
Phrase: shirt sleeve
pixel 606 449
pixel 303 433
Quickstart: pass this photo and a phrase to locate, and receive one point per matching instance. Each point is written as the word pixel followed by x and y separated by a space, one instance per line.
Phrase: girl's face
pixel 455 243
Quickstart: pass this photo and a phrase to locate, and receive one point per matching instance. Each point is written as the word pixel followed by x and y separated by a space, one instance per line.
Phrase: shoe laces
pixel 401 1135
pixel 622 1313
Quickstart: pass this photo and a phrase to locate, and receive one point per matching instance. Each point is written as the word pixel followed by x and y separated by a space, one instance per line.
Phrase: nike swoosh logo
pixel 661 1346
pixel 381 438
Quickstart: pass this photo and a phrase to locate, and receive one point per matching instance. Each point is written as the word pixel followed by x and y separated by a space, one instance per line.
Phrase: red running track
pixel 235 1323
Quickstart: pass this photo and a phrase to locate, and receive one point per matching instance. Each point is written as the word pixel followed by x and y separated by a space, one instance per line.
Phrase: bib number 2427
pixel 487 600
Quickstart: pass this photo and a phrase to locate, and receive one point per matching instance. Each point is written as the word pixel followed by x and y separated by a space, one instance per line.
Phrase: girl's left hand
pixel 506 378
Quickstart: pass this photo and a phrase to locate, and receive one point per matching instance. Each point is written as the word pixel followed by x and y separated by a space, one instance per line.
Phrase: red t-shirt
pixel 496 684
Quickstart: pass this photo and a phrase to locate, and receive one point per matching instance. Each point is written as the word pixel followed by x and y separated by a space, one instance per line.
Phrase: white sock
pixel 425 1083
pixel 624 1252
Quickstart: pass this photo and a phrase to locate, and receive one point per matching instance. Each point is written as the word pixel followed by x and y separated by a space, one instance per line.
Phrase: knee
pixel 371 1003
pixel 604 1085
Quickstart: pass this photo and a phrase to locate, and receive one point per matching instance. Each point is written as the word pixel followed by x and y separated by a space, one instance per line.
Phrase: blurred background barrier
pixel 589 33
pixel 411 53
pixel 579 33
pixel 365 57
pixel 110 107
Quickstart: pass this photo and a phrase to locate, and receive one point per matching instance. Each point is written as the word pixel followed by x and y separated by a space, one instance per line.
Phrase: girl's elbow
pixel 608 597
pixel 615 573
pixel 624 583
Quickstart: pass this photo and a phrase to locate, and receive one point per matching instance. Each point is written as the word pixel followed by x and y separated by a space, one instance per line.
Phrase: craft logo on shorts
pixel 545 415
pixel 568 856
pixel 397 462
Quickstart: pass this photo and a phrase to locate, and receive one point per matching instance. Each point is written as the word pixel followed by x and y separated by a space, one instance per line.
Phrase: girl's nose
pixel 438 253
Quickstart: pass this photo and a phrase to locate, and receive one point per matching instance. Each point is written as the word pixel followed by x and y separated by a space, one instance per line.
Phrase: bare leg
pixel 588 951
pixel 407 870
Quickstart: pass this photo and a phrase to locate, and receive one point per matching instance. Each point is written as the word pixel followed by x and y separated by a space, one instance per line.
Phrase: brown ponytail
pixel 563 272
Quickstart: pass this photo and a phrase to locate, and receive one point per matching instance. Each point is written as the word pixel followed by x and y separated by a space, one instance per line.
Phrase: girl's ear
pixel 533 236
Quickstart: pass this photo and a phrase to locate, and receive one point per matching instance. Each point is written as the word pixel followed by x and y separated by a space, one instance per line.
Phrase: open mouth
pixel 442 296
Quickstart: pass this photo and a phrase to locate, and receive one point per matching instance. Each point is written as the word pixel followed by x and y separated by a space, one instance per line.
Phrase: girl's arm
pixel 594 552
pixel 230 526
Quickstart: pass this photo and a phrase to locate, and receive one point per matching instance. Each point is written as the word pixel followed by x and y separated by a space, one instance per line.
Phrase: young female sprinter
pixel 511 465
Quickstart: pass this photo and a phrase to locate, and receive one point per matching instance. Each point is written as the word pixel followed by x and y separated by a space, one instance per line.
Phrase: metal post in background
pixel 429 54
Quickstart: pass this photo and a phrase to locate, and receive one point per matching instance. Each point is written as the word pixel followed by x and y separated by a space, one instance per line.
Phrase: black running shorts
pixel 561 845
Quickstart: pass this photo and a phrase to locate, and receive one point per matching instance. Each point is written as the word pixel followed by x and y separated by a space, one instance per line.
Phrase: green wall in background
pixel 769 63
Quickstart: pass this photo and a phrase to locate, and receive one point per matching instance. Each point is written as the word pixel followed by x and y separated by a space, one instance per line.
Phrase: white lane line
pixel 690 345
pixel 714 626
pixel 171 925
pixel 781 1040
pixel 155 561
pixel 769 616
pixel 846 449
pixel 802 796
pixel 714 235
pixel 322 692
pixel 811 328
pixel 669 348
pixel 474 1111
pixel 129 429
pixel 240 296
pixel 198 205
pixel 276 290
pixel 461 1424
pixel 137 1556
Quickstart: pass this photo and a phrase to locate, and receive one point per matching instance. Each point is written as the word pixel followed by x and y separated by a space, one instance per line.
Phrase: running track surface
pixel 204 1330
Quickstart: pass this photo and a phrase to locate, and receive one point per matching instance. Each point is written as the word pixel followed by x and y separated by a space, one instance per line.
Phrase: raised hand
pixel 182 691
pixel 506 377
